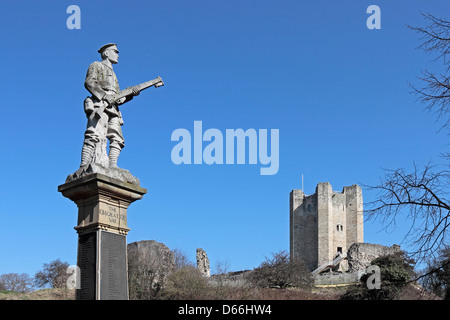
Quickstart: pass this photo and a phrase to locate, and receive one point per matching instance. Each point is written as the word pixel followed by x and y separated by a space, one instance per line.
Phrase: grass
pixel 412 292
pixel 43 294
pixel 7 292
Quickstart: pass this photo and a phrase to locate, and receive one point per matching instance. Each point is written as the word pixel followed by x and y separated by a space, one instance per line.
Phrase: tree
pixel 186 283
pixel 181 259
pixel 423 193
pixel 145 276
pixel 281 272
pixel 437 275
pixel 396 272
pixel 436 92
pixel 17 282
pixel 53 274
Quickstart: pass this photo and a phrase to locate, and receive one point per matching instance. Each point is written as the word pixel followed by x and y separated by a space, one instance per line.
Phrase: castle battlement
pixel 325 223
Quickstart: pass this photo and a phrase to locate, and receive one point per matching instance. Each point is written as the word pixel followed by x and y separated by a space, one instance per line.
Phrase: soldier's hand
pixel 109 98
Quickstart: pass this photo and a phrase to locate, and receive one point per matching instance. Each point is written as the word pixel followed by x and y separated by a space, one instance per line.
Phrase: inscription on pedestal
pixel 87 245
pixel 112 215
pixel 113 268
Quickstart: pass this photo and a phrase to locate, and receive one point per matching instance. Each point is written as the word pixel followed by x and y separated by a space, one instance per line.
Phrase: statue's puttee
pixel 104 117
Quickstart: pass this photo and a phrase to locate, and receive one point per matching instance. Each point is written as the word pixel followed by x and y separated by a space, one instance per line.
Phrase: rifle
pixel 131 91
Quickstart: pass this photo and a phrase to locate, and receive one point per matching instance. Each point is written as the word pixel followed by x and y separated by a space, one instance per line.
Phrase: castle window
pixel 339 249
pixel 339 227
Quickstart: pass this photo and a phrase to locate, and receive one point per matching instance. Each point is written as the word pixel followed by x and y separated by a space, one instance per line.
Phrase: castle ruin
pixel 324 225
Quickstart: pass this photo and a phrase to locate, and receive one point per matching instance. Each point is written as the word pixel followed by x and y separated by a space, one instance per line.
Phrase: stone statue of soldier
pixel 101 190
pixel 104 119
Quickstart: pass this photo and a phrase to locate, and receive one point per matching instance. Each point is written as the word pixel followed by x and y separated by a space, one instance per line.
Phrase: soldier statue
pixel 104 119
pixel 103 114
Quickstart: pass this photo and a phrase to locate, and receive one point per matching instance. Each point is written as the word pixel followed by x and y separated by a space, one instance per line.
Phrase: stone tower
pixel 325 223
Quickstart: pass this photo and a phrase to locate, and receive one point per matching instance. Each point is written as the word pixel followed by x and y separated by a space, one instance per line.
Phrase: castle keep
pixel 324 225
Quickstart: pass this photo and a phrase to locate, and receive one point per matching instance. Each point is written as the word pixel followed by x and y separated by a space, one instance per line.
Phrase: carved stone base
pixel 115 173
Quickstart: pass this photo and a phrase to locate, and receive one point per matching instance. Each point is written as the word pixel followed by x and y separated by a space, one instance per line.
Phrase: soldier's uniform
pixel 101 81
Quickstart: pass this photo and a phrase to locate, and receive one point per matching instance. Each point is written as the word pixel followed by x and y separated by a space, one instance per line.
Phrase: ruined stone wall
pixel 336 278
pixel 153 254
pixel 360 255
pixel 203 262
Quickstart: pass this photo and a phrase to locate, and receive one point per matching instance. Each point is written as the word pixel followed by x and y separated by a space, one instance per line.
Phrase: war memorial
pixel 101 190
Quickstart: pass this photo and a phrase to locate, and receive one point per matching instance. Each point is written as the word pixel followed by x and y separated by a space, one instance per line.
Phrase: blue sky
pixel 336 91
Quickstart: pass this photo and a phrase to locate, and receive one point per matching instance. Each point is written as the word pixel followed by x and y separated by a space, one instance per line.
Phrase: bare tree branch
pixel 435 36
pixel 422 195
pixel 436 92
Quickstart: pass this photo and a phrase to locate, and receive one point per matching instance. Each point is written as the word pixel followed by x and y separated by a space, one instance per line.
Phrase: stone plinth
pixel 102 228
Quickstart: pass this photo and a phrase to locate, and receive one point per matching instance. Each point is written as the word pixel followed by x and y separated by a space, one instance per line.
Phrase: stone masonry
pixel 203 262
pixel 360 255
pixel 152 254
pixel 325 223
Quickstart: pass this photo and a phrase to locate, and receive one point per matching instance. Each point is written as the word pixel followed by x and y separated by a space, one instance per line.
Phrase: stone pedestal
pixel 102 228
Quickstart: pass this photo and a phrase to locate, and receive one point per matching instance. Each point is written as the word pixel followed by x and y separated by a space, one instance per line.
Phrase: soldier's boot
pixel 114 153
pixel 87 154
